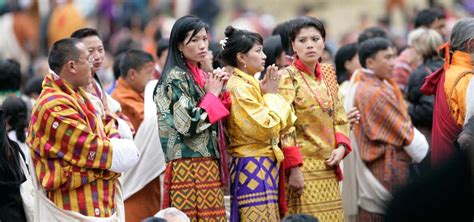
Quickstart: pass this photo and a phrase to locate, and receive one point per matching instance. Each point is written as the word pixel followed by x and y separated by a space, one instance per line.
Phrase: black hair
pixel 34 85
pixel 216 49
pixel 116 66
pixel 282 30
pixel 370 47
pixel 238 40
pixel 125 45
pixel 371 32
pixel 133 59
pixel 345 53
pixel 179 32
pixel 10 170
pixel 161 46
pixel 84 33
pixel 300 218
pixel 426 17
pixel 10 75
pixel 297 24
pixel 16 115
pixel 61 52
pixel 272 48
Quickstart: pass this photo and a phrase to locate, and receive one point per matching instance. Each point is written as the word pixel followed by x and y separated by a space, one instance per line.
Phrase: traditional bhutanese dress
pixel 321 126
pixel 71 150
pixel 253 130
pixel 453 87
pixel 384 129
pixel 187 122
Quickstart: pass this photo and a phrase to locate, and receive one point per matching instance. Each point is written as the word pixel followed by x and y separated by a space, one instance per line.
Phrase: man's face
pixel 83 75
pixel 382 63
pixel 142 76
pixel 96 49
pixel 439 25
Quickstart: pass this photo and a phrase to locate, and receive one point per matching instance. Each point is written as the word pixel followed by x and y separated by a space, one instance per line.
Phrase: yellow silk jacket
pixel 255 120
pixel 317 132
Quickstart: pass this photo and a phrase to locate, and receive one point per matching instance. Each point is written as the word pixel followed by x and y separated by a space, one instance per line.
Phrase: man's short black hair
pixel 370 47
pixel 426 17
pixel 84 33
pixel 133 59
pixel 162 45
pixel 61 52
pixel 371 32
pixel 10 75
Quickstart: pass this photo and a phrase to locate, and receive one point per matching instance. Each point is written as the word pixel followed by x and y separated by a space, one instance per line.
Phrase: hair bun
pixel 230 31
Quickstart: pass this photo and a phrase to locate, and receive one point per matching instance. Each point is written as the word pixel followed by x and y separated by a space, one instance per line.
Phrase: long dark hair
pixel 9 157
pixel 15 112
pixel 179 33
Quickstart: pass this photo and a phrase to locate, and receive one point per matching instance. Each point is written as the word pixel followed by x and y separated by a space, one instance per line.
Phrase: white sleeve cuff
pixel 124 129
pixel 418 148
pixel 124 155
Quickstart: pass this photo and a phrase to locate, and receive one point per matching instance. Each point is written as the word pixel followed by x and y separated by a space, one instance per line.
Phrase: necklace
pixel 326 106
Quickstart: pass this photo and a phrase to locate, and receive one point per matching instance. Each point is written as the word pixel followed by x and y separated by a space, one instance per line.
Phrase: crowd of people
pixel 247 129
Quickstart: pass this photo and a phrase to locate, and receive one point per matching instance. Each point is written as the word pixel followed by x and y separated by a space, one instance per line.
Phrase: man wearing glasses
pixel 77 153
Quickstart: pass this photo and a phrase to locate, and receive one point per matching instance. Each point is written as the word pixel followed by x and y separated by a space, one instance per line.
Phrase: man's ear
pixel 70 66
pixel 369 62
pixel 131 74
pixel 470 45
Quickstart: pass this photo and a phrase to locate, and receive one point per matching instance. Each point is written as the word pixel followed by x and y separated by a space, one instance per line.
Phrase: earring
pixel 181 54
pixel 245 65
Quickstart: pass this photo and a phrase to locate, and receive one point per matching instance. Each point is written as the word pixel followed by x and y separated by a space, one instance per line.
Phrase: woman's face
pixel 254 59
pixel 308 45
pixel 195 49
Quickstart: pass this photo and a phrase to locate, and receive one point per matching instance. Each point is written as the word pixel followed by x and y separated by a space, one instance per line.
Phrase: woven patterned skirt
pixel 321 197
pixel 254 189
pixel 196 189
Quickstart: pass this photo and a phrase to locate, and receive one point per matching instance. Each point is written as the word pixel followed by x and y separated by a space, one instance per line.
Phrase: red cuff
pixel 214 108
pixel 343 139
pixel 225 98
pixel 293 157
pixel 338 172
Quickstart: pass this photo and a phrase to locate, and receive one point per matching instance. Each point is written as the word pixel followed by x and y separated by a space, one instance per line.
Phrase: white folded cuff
pixel 124 155
pixel 418 148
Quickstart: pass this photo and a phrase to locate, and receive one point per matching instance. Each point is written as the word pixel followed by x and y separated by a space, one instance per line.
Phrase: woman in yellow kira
pixel 322 127
pixel 257 116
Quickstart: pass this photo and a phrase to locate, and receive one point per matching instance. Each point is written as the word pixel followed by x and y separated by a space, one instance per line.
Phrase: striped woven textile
pixel 71 150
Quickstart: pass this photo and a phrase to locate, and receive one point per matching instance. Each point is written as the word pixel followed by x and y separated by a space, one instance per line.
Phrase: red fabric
pixel 445 129
pixel 225 98
pixel 293 157
pixel 198 74
pixel 223 153
pixel 167 185
pixel 214 107
pixel 300 66
pixel 343 139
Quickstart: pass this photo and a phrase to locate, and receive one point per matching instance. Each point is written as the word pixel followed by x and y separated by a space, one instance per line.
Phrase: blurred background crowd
pixel 29 27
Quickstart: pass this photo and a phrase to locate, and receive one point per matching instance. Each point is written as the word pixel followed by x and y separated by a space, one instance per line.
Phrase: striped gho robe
pixel 384 129
pixel 71 150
